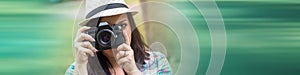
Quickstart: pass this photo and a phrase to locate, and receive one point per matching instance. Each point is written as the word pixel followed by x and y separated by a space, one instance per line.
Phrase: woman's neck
pixel 111 58
pixel 115 69
pixel 113 62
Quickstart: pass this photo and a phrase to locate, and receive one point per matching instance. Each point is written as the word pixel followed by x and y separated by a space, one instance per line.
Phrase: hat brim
pixel 109 12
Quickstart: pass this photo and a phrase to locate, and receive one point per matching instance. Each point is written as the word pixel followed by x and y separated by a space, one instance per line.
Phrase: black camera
pixel 107 36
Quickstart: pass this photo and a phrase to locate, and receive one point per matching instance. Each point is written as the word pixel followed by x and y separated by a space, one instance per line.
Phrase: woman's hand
pixel 124 56
pixel 82 50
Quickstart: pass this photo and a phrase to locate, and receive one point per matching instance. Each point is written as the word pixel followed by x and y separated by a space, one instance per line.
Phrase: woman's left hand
pixel 124 56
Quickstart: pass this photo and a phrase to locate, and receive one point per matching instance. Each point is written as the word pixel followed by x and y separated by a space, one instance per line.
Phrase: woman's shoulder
pixel 70 70
pixel 156 63
pixel 155 54
pixel 155 57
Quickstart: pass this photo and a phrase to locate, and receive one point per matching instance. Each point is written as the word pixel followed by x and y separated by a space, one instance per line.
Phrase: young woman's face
pixel 117 19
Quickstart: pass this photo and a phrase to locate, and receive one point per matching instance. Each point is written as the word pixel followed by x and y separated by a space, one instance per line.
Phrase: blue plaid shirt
pixel 156 64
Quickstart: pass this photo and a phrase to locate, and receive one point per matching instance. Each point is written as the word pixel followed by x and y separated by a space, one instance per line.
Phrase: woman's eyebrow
pixel 122 20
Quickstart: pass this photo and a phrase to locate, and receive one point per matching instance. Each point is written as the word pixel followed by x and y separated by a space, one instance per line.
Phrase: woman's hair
pixel 137 44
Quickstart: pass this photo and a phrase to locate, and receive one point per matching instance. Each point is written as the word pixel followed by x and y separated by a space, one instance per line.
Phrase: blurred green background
pixel 263 36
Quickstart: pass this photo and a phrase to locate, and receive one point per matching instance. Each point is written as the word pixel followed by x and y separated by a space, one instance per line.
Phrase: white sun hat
pixel 102 8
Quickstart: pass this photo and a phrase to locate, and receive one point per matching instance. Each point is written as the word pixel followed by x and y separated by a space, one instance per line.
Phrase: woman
pixel 129 58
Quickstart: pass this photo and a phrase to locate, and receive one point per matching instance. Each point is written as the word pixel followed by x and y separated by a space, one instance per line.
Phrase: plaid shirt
pixel 156 64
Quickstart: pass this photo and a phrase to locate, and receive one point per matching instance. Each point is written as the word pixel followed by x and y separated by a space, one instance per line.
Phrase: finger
pixel 88 45
pixel 124 47
pixel 84 36
pixel 119 55
pixel 82 29
pixel 126 37
pixel 123 61
pixel 122 54
pixel 83 50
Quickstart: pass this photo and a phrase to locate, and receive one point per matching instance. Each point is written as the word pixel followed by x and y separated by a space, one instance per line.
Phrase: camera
pixel 107 36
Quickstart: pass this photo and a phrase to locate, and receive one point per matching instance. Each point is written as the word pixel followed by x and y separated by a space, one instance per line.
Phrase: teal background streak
pixel 262 36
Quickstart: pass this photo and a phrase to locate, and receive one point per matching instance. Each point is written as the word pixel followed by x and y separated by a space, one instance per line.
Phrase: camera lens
pixel 104 37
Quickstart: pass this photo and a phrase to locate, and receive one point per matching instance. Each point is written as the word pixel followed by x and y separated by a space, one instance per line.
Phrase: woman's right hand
pixel 82 50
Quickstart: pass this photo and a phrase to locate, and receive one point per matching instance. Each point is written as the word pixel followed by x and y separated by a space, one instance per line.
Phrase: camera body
pixel 107 36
